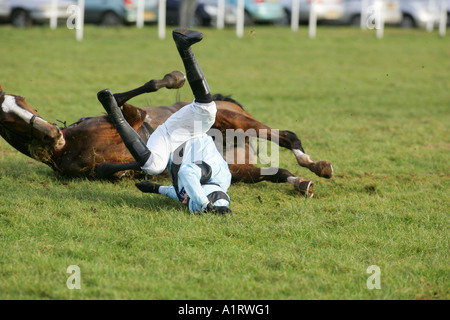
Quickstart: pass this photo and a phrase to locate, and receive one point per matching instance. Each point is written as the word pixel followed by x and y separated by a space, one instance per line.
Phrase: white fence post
pixel 140 14
pixel 240 19
pixel 379 23
pixel 220 14
pixel 80 21
pixel 54 14
pixel 443 18
pixel 295 15
pixel 430 22
pixel 312 20
pixel 162 20
pixel 363 22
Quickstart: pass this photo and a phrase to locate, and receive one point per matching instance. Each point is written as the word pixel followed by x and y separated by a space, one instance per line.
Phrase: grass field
pixel 379 110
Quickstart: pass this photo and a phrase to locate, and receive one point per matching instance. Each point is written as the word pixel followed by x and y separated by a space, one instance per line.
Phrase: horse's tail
pixel 221 97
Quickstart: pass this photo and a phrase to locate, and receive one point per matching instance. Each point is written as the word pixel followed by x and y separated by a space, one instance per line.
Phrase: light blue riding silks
pixel 195 150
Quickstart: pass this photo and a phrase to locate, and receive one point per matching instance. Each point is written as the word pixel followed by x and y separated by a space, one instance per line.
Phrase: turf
pixel 379 110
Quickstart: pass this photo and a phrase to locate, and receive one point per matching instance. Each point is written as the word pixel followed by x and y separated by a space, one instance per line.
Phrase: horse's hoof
pixel 323 169
pixel 306 187
pixel 176 79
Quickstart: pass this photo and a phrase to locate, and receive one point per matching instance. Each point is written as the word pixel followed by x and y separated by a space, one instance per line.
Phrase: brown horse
pixel 92 147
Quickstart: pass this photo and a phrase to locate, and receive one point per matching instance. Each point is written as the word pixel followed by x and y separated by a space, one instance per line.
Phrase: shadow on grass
pixel 32 179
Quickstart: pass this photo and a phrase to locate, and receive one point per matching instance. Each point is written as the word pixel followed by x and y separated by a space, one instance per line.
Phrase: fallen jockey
pixel 190 122
pixel 202 187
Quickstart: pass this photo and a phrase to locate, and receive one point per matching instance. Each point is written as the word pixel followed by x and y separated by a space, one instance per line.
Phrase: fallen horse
pixel 92 147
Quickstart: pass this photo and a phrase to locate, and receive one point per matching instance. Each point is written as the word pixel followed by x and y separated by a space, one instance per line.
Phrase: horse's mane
pixel 221 97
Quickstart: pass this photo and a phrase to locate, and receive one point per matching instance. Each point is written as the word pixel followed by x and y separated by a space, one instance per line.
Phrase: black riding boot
pixel 184 39
pixel 131 138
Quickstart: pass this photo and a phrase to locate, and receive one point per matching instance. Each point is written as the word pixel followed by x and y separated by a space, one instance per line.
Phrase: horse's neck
pixel 30 148
pixel 17 144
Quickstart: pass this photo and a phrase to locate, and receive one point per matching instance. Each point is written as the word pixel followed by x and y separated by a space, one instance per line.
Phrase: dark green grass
pixel 379 110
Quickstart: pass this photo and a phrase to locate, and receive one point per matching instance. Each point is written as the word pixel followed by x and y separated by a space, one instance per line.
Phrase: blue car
pixel 116 12
pixel 261 11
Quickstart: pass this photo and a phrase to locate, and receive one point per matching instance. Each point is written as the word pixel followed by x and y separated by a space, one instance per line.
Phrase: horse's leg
pixel 173 80
pixel 106 170
pixel 227 119
pixel 248 173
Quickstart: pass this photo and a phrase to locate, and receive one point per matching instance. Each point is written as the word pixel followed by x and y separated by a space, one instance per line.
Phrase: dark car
pixel 205 14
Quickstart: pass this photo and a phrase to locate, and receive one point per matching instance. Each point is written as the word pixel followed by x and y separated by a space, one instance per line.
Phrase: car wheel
pixel 407 22
pixel 198 21
pixel 110 19
pixel 20 18
pixel 248 20
pixel 355 20
pixel 286 19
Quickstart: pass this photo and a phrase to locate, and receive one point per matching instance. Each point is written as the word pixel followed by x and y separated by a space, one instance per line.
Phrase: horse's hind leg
pixel 173 80
pixel 227 119
pixel 321 168
pixel 289 140
pixel 250 174
pixel 247 172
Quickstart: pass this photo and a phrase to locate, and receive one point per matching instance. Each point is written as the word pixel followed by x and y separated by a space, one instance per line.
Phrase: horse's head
pixel 26 131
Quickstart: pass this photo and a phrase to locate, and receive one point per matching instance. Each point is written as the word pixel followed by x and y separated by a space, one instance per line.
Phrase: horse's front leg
pixel 173 80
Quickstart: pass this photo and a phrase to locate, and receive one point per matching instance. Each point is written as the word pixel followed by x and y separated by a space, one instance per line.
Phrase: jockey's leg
pixel 131 138
pixel 148 187
pixel 184 39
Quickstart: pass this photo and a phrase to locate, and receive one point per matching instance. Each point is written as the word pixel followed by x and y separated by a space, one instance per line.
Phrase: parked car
pixel 448 12
pixel 205 14
pixel 416 13
pixel 23 13
pixel 116 12
pixel 5 10
pixel 326 10
pixel 261 11
pixel 391 11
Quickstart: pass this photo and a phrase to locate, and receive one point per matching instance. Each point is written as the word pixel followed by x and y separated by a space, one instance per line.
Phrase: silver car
pixel 390 10
pixel 211 8
pixel 23 13
pixel 5 10
pixel 326 10
pixel 417 13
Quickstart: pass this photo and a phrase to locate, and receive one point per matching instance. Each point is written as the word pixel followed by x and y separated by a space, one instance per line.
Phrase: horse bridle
pixel 22 135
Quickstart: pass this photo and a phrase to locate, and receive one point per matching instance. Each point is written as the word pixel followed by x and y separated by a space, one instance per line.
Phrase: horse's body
pixel 78 150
